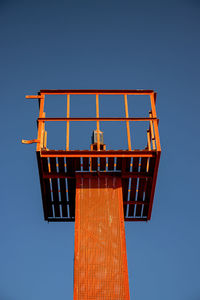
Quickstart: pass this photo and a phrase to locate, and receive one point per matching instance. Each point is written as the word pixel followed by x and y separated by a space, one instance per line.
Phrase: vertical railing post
pixel 41 124
pixel 67 129
pixel 127 123
pixel 149 146
pixel 45 139
pixel 98 127
pixel 152 132
pixel 43 132
pixel 149 139
pixel 155 122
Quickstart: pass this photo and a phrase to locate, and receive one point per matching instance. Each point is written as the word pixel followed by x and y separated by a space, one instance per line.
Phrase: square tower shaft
pixel 100 261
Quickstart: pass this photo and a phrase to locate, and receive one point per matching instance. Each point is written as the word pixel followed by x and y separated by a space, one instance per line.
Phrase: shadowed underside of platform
pixel 58 172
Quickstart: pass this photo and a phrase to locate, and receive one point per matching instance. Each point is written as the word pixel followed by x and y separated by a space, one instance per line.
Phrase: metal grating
pixel 100 263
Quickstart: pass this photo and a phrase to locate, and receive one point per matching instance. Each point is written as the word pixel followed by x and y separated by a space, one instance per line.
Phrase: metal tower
pixel 99 189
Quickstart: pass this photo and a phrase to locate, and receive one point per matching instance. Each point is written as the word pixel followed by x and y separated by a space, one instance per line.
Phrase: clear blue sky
pixel 101 44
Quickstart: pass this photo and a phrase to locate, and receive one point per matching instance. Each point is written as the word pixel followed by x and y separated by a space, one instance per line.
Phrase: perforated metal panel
pixel 100 263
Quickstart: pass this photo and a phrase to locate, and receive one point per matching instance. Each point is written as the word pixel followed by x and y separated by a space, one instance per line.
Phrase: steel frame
pixel 153 149
pixel 152 134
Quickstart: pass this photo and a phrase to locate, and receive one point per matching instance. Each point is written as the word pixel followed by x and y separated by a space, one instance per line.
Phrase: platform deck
pixel 58 171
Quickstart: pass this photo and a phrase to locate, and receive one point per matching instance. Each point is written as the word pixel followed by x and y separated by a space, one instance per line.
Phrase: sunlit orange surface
pixel 100 263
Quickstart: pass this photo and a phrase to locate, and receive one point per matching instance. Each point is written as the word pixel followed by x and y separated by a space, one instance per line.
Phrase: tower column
pixel 100 260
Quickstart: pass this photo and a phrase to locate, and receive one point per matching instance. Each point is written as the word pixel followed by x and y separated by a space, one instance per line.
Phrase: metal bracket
pixel 33 97
pixel 30 141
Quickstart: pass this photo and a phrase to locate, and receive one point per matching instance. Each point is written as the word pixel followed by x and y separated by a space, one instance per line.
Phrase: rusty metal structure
pixel 98 188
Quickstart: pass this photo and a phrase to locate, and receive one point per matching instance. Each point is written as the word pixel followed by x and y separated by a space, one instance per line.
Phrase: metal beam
pixel 96 119
pixel 101 174
pixel 102 153
pixel 98 91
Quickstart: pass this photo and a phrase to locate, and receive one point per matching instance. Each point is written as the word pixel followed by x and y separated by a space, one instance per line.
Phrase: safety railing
pixel 153 140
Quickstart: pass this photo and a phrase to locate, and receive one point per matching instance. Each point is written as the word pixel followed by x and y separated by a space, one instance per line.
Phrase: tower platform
pixel 58 169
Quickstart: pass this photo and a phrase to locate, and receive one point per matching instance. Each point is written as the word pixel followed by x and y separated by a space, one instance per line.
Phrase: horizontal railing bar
pixel 61 219
pixel 136 202
pixel 102 153
pixel 60 202
pixel 96 119
pixel 124 202
pixel 133 219
pixel 96 173
pixel 73 219
pixel 95 92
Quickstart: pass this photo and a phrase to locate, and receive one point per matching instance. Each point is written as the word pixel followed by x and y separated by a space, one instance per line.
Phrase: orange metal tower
pixel 99 189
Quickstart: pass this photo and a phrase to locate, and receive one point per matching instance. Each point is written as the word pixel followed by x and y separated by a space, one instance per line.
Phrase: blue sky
pixel 103 45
